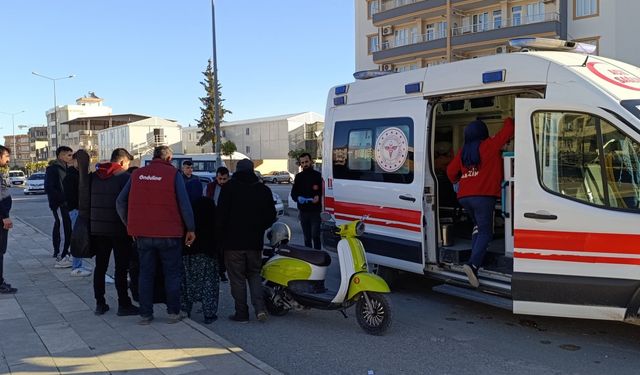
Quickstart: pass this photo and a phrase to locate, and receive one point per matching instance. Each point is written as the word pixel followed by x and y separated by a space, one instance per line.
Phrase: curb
pixel 232 348
pixel 236 350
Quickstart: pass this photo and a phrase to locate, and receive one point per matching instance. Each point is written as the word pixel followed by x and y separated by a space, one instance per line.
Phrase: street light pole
pixel 13 127
pixel 55 102
pixel 216 99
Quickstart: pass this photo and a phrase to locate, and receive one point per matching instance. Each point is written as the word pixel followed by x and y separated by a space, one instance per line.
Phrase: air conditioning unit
pixel 501 49
pixel 386 67
pixel 387 30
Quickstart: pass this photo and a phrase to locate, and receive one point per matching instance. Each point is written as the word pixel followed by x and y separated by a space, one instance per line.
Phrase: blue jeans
pixel 77 262
pixel 481 210
pixel 169 251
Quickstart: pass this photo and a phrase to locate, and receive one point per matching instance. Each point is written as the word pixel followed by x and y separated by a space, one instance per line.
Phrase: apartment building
pixel 268 139
pixel 38 143
pixel 400 35
pixel 19 145
pixel 86 106
pixel 139 135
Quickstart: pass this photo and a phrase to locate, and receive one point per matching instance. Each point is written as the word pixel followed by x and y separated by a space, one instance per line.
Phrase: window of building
pixel 374 150
pixel 430 31
pixel 401 37
pixel 372 43
pixel 480 22
pixel 247 149
pixel 442 29
pixel 535 12
pixel 247 131
pixel 373 7
pixel 516 15
pixel 585 8
pixel 497 19
pixel 585 158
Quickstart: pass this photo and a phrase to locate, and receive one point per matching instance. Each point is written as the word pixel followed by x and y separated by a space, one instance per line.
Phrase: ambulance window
pixel 586 158
pixel 374 150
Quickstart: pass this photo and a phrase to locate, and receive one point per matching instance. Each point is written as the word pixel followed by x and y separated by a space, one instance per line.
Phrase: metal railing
pixel 505 22
pixel 391 4
pixel 415 39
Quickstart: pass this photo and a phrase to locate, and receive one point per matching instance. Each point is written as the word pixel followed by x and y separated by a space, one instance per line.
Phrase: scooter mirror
pixel 325 216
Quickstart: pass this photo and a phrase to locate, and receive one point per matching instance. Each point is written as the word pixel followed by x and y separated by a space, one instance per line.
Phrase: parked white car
pixel 35 184
pixel 16 178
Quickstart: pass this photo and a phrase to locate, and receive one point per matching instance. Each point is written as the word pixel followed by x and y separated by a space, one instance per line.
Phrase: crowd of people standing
pixel 173 241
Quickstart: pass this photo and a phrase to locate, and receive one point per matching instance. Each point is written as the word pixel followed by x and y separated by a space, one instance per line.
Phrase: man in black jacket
pixel 245 211
pixel 54 176
pixel 108 232
pixel 307 192
pixel 5 207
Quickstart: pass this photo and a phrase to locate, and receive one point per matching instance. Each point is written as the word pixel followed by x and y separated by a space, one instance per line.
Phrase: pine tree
pixel 206 123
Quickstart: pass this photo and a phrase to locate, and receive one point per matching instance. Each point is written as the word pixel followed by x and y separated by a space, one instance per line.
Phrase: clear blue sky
pixel 146 57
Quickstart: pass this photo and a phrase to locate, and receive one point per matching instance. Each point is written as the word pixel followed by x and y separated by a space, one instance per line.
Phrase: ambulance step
pixel 474 295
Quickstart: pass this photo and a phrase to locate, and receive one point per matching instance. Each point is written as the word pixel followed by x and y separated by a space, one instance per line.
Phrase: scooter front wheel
pixel 373 311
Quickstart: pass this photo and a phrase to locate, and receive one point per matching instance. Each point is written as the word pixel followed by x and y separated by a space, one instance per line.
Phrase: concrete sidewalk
pixel 48 327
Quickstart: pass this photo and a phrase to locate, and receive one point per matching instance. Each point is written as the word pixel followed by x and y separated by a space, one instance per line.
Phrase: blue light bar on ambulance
pixel 341 89
pixel 340 100
pixel 411 88
pixel 548 44
pixel 495 76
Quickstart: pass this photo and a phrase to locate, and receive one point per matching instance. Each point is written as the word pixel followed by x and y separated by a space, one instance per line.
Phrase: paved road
pixel 431 333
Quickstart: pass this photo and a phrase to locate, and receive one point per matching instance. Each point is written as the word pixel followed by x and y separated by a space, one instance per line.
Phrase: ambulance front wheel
pixel 373 311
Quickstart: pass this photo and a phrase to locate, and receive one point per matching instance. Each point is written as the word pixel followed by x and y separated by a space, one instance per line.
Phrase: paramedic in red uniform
pixel 478 171
pixel 155 207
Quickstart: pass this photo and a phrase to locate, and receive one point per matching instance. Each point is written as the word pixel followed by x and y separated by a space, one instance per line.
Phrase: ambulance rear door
pixel 377 171
pixel 577 221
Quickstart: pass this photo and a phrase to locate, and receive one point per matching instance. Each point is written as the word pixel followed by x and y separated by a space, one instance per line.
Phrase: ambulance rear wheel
pixel 388 274
pixel 373 311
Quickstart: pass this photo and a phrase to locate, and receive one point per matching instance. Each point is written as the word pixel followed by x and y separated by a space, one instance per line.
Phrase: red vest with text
pixel 153 205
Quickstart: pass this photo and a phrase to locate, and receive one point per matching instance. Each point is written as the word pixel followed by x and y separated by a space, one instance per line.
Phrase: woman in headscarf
pixel 478 171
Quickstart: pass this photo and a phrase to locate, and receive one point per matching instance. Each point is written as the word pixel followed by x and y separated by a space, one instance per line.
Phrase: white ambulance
pixel 567 228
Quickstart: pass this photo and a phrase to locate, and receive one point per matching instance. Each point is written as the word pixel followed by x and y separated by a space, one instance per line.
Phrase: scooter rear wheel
pixel 375 320
pixel 270 303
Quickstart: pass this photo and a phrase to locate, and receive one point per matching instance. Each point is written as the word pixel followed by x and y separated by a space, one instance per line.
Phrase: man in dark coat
pixel 108 232
pixel 307 192
pixel 5 207
pixel 245 211
pixel 54 176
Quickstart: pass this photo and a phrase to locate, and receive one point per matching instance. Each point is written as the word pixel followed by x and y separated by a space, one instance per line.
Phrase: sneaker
pixel 185 314
pixel 210 319
pixel 7 289
pixel 145 320
pixel 262 316
pixel 174 318
pixel 472 274
pixel 223 278
pixel 101 309
pixel 128 310
pixel 63 263
pixel 80 272
pixel 239 319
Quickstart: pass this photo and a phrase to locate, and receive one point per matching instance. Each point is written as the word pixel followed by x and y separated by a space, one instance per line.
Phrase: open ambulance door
pixel 576 243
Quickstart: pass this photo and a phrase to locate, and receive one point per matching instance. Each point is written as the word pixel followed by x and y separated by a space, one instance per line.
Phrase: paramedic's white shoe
pixel 472 274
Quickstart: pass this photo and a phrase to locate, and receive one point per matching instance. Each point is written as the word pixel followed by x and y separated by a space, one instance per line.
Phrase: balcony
pixel 423 44
pixel 401 11
pixel 547 23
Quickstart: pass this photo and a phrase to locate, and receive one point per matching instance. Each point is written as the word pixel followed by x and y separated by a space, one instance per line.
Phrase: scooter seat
pixel 317 257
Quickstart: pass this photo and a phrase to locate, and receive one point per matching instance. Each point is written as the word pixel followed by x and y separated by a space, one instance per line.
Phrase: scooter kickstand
pixel 344 314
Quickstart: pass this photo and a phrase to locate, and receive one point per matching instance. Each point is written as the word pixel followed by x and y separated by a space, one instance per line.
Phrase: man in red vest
pixel 155 207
